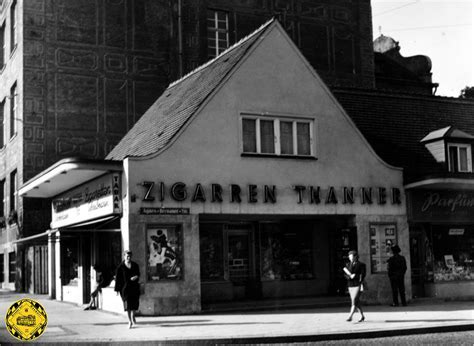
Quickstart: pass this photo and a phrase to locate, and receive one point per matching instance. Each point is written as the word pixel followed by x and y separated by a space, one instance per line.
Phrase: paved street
pixel 70 323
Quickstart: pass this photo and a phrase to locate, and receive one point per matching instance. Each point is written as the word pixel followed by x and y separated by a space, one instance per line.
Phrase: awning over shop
pixel 65 175
pixel 34 237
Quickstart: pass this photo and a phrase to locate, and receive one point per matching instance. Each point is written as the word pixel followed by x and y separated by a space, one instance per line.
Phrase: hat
pixel 353 252
pixel 396 249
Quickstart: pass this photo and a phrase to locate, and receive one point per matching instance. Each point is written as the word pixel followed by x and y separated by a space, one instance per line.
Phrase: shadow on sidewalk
pixel 423 320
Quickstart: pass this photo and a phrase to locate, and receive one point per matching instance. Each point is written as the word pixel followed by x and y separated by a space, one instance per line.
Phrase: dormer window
pixel 451 147
pixel 460 157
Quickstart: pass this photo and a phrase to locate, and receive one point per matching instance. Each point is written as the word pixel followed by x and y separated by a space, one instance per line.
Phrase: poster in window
pixel 165 253
pixel 382 238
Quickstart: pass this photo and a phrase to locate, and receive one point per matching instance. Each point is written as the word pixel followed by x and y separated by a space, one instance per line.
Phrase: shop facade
pixel 242 183
pixel 259 190
pixel 85 228
pixel 442 241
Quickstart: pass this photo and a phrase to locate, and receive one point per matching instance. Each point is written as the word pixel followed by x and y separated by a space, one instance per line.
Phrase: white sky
pixel 440 29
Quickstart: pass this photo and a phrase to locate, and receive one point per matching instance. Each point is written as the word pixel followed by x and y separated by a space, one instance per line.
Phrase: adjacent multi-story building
pixel 76 75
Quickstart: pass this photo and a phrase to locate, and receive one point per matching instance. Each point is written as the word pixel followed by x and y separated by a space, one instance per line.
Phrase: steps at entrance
pixel 276 304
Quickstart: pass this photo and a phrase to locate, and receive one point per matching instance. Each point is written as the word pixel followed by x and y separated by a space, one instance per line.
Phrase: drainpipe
pixel 180 41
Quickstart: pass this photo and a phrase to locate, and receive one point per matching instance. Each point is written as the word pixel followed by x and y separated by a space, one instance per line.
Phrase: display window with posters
pixel 165 252
pixel 453 253
pixel 382 238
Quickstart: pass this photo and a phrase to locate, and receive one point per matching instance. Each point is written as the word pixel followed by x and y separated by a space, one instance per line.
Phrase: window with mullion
pixel 13 109
pixel 2 123
pixel 217 32
pixel 11 266
pixel 2 46
pixel 13 188
pixel 2 192
pixel 287 137
pixel 459 157
pixel 13 26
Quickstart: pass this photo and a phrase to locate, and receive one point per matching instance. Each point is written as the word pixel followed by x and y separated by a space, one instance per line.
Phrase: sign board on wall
pixel 441 205
pixel 95 199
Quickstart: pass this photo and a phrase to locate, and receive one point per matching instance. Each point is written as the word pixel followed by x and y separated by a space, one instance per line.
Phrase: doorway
pixel 241 261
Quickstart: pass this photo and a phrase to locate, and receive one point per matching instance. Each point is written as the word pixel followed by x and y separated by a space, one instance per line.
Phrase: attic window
pixel 452 147
pixel 460 157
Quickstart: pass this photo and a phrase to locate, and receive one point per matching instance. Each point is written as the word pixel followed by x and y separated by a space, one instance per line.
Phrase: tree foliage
pixel 467 93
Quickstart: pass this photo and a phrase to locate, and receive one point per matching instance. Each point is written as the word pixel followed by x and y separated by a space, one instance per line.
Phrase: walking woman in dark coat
pixel 355 274
pixel 126 283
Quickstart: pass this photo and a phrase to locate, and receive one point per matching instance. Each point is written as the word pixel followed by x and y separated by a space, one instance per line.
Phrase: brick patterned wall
pixel 88 69
pixel 92 68
pixel 11 153
pixel 335 36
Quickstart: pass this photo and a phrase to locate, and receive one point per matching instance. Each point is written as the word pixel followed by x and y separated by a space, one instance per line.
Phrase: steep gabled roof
pixel 395 123
pixel 180 101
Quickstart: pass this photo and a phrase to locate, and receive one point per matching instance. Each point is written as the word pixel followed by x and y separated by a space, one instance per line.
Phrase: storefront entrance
pixel 273 259
pixel 240 261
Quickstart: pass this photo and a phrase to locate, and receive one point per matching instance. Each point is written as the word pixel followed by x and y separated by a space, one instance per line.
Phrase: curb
pixel 322 337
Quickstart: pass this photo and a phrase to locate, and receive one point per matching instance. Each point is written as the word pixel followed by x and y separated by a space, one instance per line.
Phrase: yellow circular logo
pixel 26 319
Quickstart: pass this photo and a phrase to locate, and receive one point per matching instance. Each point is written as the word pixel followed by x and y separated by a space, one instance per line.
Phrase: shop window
pixel 109 253
pixel 11 267
pixel 165 252
pixel 13 109
pixel 382 238
pixel 453 252
pixel 275 136
pixel 13 27
pixel 2 267
pixel 460 157
pixel 69 261
pixel 211 251
pixel 286 251
pixel 217 32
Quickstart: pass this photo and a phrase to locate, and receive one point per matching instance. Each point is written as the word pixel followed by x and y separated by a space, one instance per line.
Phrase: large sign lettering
pixel 95 199
pixel 442 205
pixel 251 193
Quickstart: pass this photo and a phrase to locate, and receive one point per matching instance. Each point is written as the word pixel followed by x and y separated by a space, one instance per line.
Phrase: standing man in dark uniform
pixel 397 266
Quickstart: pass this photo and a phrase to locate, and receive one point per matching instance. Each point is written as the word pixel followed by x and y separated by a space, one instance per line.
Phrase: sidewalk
pixel 69 323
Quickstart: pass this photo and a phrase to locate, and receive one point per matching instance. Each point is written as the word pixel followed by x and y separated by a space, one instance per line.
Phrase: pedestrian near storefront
pixel 397 267
pixel 355 272
pixel 102 280
pixel 126 283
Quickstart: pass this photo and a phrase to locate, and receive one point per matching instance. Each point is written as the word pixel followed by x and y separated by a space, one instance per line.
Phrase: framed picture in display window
pixel 382 238
pixel 164 252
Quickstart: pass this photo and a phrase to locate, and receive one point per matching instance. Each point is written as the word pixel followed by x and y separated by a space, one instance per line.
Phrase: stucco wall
pixel 379 284
pixel 168 297
pixel 208 151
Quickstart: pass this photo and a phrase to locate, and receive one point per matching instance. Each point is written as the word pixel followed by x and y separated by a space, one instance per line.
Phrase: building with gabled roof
pixel 76 75
pixel 244 180
pixel 432 139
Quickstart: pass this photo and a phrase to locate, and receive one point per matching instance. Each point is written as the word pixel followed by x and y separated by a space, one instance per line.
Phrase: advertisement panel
pixel 95 199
